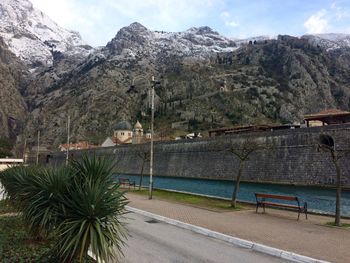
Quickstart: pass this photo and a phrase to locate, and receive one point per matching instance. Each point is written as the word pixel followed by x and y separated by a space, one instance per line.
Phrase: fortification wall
pixel 291 159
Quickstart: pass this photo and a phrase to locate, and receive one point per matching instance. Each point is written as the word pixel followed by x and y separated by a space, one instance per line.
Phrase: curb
pixel 293 257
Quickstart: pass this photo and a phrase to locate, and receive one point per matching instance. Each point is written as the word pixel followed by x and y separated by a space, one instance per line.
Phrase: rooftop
pixel 327 113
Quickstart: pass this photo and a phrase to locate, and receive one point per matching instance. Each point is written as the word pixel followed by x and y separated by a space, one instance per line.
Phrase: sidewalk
pixel 276 228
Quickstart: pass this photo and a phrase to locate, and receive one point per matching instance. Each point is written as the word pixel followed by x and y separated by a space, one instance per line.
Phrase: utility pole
pixel 151 155
pixel 68 128
pixel 37 149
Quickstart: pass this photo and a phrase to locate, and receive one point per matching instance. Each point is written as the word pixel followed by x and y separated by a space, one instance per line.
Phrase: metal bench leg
pixel 305 209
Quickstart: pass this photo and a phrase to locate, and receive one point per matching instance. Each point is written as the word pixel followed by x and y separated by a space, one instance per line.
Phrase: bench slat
pixel 273 196
pixel 281 205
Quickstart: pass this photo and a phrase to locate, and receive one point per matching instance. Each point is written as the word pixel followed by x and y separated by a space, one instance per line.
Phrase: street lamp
pixel 132 89
pixel 154 83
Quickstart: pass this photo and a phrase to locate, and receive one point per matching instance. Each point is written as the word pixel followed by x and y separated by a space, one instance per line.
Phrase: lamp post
pixel 154 83
pixel 151 154
pixel 133 89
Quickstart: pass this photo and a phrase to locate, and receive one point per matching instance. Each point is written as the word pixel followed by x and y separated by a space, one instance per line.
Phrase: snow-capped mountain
pixel 34 37
pixel 329 41
pixel 135 40
pixel 245 41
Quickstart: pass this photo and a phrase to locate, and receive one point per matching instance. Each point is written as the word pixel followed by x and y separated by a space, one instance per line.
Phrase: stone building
pixel 125 134
pixel 327 117
pixel 82 145
pixel 137 136
pixel 122 134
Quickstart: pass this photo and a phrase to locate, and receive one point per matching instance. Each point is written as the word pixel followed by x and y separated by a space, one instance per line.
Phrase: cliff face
pixel 34 37
pixel 267 81
pixel 206 80
pixel 13 110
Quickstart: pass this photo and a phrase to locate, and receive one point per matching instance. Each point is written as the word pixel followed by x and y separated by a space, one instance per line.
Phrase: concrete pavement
pixel 154 241
pixel 276 228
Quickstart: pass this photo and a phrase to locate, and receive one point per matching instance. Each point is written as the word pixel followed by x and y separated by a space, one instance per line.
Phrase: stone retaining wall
pixel 292 157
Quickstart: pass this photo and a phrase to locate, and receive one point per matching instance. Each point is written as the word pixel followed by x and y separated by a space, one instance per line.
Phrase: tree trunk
pixel 236 189
pixel 338 194
pixel 141 175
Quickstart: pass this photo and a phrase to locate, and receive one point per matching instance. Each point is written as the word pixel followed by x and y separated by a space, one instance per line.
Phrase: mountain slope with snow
pixel 330 41
pixel 136 40
pixel 34 37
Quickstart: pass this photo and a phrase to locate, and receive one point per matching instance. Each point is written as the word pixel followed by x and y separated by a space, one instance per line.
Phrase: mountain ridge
pixel 207 80
pixel 34 37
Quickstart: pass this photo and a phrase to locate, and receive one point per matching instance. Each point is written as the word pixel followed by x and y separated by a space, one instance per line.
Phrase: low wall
pixel 292 159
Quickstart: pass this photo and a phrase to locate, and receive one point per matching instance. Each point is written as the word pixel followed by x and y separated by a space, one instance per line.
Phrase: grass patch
pixel 195 200
pixel 342 225
pixel 16 245
pixel 6 207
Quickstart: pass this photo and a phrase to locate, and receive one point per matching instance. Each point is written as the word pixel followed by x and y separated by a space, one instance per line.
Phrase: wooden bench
pixel 263 200
pixel 125 182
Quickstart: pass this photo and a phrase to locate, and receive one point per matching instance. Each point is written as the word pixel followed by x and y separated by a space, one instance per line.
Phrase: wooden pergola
pixel 328 117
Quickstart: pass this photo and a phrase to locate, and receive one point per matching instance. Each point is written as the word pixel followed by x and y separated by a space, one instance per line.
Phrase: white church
pixel 124 133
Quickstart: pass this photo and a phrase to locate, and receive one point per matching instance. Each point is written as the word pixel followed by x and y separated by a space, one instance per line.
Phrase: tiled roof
pixel 78 146
pixel 327 113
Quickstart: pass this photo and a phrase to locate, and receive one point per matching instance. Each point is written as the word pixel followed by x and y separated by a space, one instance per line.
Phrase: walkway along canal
pixel 319 199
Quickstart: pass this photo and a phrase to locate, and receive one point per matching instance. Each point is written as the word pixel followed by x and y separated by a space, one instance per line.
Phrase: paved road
pixel 161 242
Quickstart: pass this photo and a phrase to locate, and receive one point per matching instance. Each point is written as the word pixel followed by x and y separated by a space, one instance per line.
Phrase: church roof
pixel 137 125
pixel 123 126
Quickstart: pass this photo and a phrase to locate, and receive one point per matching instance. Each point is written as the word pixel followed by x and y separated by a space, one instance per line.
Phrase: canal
pixel 318 199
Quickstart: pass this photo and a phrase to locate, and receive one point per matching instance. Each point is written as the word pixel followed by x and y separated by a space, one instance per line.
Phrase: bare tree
pixel 327 144
pixel 242 151
pixel 144 154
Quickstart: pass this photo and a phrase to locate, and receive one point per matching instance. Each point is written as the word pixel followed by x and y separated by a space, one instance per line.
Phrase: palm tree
pixel 92 214
pixel 81 206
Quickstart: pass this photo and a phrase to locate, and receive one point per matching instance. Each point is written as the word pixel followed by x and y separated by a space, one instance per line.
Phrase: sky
pixel 98 21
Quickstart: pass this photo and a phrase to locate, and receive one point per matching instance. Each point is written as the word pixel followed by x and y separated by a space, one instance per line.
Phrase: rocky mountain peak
pixel 136 27
pixel 203 30
pixel 134 31
pixel 34 37
pixel 196 42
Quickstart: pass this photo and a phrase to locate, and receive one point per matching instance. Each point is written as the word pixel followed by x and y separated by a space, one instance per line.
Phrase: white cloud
pixel 96 19
pixel 232 23
pixel 317 23
pixel 63 13
pixel 161 13
pixel 339 11
pixel 228 20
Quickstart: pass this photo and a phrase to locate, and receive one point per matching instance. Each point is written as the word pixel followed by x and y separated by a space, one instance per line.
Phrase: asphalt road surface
pixel 154 241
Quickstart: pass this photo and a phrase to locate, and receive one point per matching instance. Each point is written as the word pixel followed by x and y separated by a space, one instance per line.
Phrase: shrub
pixel 80 204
